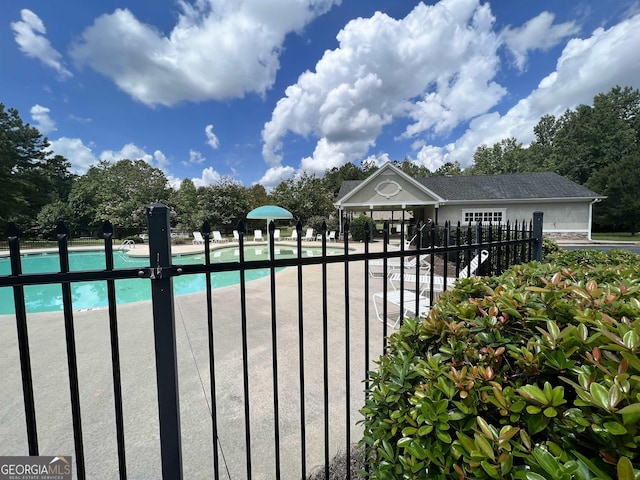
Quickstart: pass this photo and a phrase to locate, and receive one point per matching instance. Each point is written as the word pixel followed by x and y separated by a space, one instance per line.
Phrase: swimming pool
pixel 85 295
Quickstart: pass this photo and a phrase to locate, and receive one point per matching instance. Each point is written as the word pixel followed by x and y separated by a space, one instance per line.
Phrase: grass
pixel 616 236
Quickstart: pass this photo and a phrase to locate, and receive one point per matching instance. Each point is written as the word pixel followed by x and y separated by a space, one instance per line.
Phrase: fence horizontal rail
pixel 505 247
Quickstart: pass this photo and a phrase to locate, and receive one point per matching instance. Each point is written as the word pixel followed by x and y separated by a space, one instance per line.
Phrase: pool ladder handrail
pixel 127 244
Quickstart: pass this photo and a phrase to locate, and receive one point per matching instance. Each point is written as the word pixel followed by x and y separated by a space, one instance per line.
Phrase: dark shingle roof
pixel 506 187
pixel 514 186
pixel 347 186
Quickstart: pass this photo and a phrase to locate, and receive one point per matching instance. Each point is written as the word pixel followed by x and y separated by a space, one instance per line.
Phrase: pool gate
pixel 453 245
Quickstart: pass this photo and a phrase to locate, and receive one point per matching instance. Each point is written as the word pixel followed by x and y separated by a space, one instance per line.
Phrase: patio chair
pixel 294 235
pixel 438 280
pixel 276 235
pixel 197 238
pixel 395 264
pixel 309 235
pixel 398 311
pixel 217 237
pixel 257 236
pixel 236 236
pixel 332 236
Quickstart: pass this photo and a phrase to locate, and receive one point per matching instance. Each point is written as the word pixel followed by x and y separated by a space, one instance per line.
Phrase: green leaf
pixel 484 426
pixel 600 394
pixel 625 469
pixel 631 339
pixel 534 476
pixel 532 392
pixel 552 328
pixel 550 412
pixel 601 475
pixel 547 461
pixel 443 436
pixel 409 431
pixel 491 470
pixel 484 446
pixel 633 408
pixel 537 423
pixel 425 430
pixel 615 428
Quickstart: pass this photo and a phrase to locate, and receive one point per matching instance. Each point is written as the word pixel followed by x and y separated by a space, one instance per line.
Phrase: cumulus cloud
pixel 435 68
pixel 539 33
pixel 212 139
pixel 209 177
pixel 29 35
pixel 129 151
pixel 42 120
pixel 585 68
pixel 217 49
pixel 275 175
pixel 79 155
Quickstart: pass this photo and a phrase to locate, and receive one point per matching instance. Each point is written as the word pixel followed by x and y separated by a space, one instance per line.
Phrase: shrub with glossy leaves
pixel 531 375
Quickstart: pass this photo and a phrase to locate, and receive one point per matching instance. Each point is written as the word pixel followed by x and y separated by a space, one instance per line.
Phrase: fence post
pixel 536 253
pixel 165 339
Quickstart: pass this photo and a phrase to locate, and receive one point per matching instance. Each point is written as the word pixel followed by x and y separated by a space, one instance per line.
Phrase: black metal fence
pixel 450 248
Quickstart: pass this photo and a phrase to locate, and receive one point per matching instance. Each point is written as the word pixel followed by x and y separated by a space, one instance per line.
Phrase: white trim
pixel 388 169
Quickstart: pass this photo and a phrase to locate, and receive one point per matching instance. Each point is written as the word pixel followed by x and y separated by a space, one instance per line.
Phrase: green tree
pixel 185 202
pixel 119 192
pixel 31 174
pixel 304 196
pixel 412 169
pixel 258 196
pixel 224 204
pixel 505 156
pixel 620 183
pixel 590 138
pixel 448 169
pixel 335 177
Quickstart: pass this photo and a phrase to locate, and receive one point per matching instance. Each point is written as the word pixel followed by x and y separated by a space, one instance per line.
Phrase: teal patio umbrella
pixel 268 213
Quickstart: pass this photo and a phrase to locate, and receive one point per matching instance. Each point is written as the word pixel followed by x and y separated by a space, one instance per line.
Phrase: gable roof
pixel 514 186
pixel 387 173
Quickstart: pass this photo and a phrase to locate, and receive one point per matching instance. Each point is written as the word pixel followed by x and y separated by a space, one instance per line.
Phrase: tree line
pixel 594 145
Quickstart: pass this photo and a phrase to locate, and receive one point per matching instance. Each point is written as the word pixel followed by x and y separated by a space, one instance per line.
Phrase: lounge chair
pixel 217 237
pixel 398 311
pixel 332 236
pixel 236 236
pixel 257 236
pixel 438 280
pixel 276 235
pixel 294 235
pixel 197 238
pixel 376 267
pixel 309 235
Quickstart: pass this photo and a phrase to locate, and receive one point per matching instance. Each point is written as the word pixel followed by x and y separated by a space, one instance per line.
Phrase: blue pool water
pixel 48 298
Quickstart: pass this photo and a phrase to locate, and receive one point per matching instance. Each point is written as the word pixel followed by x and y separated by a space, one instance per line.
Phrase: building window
pixel 485 216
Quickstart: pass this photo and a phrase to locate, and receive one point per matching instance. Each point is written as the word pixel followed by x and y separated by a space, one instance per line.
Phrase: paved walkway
pixel 48 356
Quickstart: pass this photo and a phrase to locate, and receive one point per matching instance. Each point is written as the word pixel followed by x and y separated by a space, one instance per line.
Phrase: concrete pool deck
pixel 51 385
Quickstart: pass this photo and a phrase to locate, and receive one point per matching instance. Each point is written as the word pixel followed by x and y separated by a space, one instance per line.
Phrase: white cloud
pixel 209 177
pixel 79 155
pixel 42 120
pixel 539 33
pixel 217 49
pixel 434 67
pixel 212 139
pixel 128 152
pixel 29 35
pixel 275 175
pixel 585 68
pixel 195 158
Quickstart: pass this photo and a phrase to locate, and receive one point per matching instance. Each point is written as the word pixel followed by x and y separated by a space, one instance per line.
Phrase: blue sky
pixel 261 90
